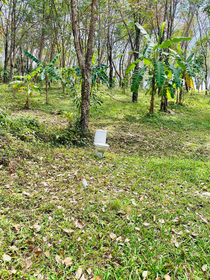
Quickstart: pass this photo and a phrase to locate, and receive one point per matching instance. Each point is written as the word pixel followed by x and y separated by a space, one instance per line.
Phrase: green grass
pixel 147 191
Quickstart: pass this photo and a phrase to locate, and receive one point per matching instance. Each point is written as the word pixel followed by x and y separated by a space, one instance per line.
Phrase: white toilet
pixel 100 143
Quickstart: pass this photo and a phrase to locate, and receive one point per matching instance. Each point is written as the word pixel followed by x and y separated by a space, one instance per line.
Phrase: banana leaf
pixel 137 78
pixel 159 73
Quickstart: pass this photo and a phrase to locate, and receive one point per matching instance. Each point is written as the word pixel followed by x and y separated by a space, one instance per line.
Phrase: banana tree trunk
pixel 164 103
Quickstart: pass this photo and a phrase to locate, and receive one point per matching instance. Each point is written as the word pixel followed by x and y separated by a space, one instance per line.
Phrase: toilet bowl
pixel 100 143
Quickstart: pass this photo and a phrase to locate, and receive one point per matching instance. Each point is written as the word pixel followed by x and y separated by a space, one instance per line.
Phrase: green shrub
pixel 30 129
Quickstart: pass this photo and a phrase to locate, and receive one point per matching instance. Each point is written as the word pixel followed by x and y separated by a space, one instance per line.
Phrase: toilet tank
pixel 100 137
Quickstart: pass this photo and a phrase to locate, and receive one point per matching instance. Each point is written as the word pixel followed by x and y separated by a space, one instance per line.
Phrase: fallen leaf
pixel 37 227
pixel 167 277
pixel 176 244
pixel 146 224
pixel 112 235
pixel 68 230
pixel 142 199
pixel 89 271
pixel 144 274
pixel 47 254
pixel 133 202
pixel 119 238
pixel 61 252
pixel 204 267
pixel 38 252
pixel 96 278
pixel 13 248
pixel 13 271
pixel 79 225
pixel 176 232
pixel 6 258
pixel 121 213
pixel 137 228
pixel 26 194
pixel 202 218
pixel 30 247
pixel 78 273
pixel 58 259
pixel 28 264
pixel 67 261
pixel 161 221
pixel 17 227
pixel 83 277
pixel 158 278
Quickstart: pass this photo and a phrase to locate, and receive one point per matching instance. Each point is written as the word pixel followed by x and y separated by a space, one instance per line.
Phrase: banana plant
pixel 46 72
pixel 154 58
pixel 24 84
pixel 188 68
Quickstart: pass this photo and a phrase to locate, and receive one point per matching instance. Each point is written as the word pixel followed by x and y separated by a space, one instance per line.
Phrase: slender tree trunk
pixel 6 60
pixel 151 110
pixel 85 102
pixel 136 56
pixel 180 96
pixel 13 40
pixel 27 102
pixel 46 89
pixel 109 51
pixel 206 77
pixel 63 62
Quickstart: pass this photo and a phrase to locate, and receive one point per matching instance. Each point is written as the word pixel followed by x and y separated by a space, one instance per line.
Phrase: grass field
pixel 144 213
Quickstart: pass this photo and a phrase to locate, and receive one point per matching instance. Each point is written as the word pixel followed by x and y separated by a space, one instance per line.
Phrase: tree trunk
pixel 63 62
pixel 85 64
pixel 6 60
pixel 206 78
pixel 27 102
pixel 85 102
pixel 13 40
pixel 151 110
pixel 46 89
pixel 180 96
pixel 164 103
pixel 109 51
pixel 136 56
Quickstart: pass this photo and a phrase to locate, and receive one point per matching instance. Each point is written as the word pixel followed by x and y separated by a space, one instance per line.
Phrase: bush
pixel 30 129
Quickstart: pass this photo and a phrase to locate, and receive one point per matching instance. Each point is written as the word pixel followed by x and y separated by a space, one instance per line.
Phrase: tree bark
pixel 13 40
pixel 164 103
pixel 151 110
pixel 85 64
pixel 136 56
pixel 46 89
